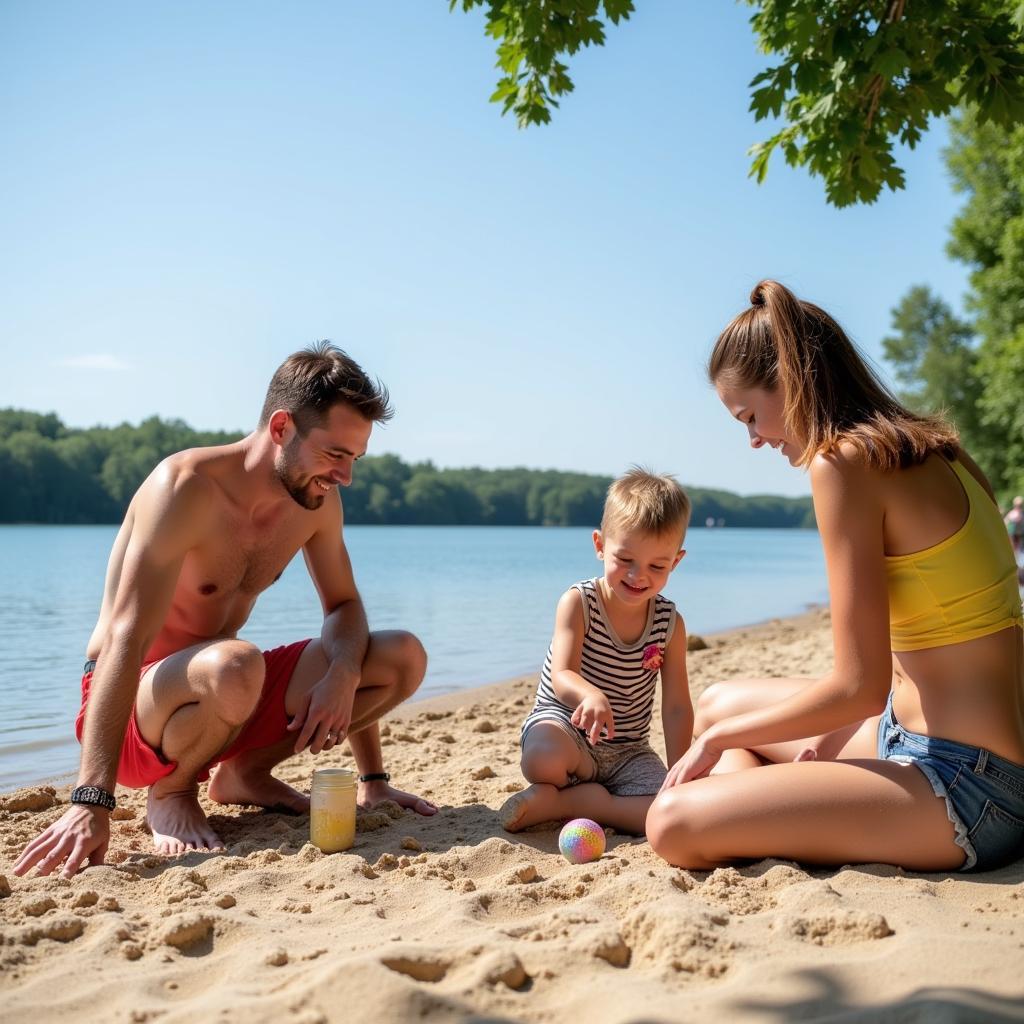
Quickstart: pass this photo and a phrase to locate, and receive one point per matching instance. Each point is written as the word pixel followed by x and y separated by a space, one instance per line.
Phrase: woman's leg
pixel 737 696
pixel 819 812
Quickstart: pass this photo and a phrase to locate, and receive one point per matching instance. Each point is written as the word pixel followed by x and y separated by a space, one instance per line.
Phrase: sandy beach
pixel 451 919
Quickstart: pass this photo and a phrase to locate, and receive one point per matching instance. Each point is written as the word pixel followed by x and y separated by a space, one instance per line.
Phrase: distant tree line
pixel 51 473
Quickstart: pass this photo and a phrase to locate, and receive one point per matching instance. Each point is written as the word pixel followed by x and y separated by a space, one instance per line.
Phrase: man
pixel 169 692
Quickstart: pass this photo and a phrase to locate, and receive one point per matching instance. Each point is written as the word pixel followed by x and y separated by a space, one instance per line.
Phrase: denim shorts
pixel 984 793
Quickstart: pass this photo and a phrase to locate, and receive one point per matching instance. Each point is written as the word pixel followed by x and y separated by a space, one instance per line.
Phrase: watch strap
pixel 93 796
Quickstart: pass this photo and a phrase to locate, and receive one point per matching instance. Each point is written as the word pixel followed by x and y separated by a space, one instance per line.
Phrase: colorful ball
pixel 581 841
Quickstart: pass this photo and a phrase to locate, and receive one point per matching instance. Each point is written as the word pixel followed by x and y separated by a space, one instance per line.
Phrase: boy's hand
pixel 593 715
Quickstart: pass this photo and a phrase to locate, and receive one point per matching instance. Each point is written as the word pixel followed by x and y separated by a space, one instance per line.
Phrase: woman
pixel 916 754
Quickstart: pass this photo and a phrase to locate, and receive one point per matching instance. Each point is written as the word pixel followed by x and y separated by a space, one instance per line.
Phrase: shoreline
pixel 452 699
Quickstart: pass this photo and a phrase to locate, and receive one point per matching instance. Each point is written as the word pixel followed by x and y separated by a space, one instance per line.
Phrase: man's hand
pixel 594 714
pixel 694 764
pixel 324 718
pixel 81 832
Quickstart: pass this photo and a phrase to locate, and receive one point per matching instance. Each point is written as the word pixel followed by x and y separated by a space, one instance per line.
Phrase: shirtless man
pixel 173 693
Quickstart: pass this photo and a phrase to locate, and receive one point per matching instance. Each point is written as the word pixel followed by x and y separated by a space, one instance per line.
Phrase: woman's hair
pixel 646 502
pixel 830 394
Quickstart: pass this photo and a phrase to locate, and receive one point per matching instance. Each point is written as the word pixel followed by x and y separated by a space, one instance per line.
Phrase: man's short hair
pixel 647 502
pixel 309 383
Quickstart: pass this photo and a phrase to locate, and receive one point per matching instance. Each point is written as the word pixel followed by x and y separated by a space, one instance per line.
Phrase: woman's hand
pixel 594 714
pixel 694 764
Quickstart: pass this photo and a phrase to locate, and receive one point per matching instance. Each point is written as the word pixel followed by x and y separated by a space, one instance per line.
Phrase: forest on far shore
pixel 52 473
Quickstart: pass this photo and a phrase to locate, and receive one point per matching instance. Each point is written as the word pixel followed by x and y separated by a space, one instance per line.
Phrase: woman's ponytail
pixel 829 392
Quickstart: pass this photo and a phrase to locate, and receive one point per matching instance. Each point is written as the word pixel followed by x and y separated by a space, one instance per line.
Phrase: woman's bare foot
pixel 178 823
pixel 232 783
pixel 376 792
pixel 536 803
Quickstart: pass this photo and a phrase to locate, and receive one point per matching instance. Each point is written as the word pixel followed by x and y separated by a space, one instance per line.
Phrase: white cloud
pixel 94 361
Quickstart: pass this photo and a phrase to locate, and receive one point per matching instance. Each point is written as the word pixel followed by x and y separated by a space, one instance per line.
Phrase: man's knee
pixel 409 659
pixel 234 672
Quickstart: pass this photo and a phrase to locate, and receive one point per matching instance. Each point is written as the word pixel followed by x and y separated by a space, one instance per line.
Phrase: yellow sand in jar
pixel 332 813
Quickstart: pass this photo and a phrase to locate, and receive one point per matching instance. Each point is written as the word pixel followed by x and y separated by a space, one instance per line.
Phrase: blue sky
pixel 191 191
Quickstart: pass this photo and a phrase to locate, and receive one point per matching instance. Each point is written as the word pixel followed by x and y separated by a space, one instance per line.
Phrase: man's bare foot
pixel 232 783
pixel 372 793
pixel 178 823
pixel 533 805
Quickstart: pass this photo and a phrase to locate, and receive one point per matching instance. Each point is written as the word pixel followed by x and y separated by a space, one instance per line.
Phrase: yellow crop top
pixel 959 589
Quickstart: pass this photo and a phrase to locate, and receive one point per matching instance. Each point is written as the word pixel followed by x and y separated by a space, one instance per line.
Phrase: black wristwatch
pixel 375 777
pixel 93 796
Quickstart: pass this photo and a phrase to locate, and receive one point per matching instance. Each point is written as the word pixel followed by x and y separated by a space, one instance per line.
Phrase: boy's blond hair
pixel 648 502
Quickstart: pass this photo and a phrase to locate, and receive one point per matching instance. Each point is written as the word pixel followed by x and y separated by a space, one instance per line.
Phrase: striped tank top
pixel 615 668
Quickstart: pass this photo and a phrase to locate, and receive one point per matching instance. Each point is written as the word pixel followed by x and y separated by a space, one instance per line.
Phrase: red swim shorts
pixel 140 765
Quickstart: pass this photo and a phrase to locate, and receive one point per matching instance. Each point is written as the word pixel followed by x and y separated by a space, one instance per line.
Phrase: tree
pixel 854 78
pixel 934 358
pixel 987 166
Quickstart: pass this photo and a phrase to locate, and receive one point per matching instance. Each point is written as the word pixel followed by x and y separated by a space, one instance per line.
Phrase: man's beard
pixel 290 478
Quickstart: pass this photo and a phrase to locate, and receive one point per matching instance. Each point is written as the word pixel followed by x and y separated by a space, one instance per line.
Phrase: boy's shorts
pixel 140 765
pixel 630 768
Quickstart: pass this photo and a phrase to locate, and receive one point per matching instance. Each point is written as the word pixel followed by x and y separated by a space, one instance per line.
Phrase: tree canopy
pixel 974 370
pixel 852 81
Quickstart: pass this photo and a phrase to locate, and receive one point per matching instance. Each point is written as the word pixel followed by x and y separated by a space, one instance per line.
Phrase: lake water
pixel 481 599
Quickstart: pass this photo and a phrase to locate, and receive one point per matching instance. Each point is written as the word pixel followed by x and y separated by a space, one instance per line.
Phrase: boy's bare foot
pixel 232 783
pixel 178 823
pixel 536 803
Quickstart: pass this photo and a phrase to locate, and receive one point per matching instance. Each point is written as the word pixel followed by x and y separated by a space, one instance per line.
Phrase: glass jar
pixel 332 812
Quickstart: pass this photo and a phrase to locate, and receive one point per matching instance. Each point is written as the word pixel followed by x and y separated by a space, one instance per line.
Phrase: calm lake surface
pixel 481 599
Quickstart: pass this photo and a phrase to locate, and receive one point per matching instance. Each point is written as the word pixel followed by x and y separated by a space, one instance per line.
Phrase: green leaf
pixel 891 63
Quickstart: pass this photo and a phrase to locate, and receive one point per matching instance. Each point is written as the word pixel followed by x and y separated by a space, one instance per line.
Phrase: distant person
pixel 169 694
pixel 585 743
pixel 1014 520
pixel 911 750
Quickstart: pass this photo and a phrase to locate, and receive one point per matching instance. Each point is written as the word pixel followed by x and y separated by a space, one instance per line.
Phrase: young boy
pixel 584 744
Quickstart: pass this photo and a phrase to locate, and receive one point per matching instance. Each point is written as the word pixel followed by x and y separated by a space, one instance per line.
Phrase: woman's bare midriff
pixel 969 692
